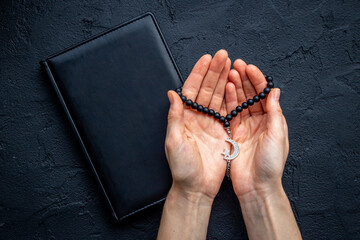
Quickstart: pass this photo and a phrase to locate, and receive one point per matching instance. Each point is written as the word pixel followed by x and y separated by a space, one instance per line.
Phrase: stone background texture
pixel 310 47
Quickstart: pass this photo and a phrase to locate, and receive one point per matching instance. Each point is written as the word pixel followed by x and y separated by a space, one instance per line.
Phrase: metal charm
pixel 227 156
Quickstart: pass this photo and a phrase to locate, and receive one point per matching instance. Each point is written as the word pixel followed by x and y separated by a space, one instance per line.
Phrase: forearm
pixel 269 216
pixel 185 216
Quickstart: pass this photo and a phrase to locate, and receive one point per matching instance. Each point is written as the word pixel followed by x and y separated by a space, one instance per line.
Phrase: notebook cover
pixel 113 89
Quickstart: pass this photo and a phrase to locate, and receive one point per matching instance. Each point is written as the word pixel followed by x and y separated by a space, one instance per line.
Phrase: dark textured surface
pixel 312 48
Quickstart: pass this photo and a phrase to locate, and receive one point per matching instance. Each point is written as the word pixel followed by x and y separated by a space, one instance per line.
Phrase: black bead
pixel 200 108
pixel 183 98
pixel 262 95
pixel 181 88
pixel 211 112
pixel 265 76
pixel 178 90
pixel 189 102
pixel 217 115
pixel 179 93
pixel 269 78
pixel 250 102
pixel 226 124
pixel 239 108
pixel 222 119
pixel 244 105
pixel 228 117
pixel 233 113
pixel 266 90
pixel 194 105
pixel 205 110
pixel 256 98
pixel 270 85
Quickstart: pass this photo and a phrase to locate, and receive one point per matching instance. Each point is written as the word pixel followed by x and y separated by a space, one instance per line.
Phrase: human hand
pixel 261 132
pixel 192 142
pixel 193 150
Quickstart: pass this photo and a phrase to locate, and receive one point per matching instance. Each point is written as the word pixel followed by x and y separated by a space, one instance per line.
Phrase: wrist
pixel 186 197
pixel 261 194
pixel 267 212
pixel 185 215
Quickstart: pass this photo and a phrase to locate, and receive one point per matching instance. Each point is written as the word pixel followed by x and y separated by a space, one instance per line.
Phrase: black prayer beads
pixel 225 120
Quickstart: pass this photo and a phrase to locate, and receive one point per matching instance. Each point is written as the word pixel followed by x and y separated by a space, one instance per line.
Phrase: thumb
pixel 275 117
pixel 176 114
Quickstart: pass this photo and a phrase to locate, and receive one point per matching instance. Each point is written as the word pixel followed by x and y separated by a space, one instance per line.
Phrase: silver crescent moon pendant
pixel 236 149
pixel 228 157
pixel 226 153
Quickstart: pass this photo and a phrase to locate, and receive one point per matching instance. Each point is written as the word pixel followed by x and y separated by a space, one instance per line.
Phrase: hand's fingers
pixel 193 82
pixel 275 124
pixel 249 89
pixel 212 77
pixel 258 81
pixel 234 77
pixel 231 102
pixel 286 133
pixel 175 128
pixel 218 96
pixel 222 110
pixel 285 125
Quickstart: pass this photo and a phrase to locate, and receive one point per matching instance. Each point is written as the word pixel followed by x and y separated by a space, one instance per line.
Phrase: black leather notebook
pixel 113 88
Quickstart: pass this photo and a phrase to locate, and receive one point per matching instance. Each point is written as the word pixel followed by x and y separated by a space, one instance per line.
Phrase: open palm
pixel 193 145
pixel 260 130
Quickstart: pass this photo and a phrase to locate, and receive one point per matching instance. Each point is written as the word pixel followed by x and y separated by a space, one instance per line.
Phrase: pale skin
pixel 194 144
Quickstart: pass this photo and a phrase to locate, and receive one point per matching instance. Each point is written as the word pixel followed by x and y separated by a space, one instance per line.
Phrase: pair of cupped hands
pixel 195 141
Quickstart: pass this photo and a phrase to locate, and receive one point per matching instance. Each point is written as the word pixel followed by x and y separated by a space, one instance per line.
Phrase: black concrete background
pixel 312 48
